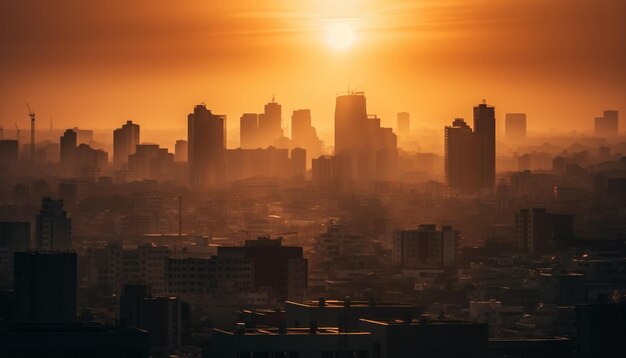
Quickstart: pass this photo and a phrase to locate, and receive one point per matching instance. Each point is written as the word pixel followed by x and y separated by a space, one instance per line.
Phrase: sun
pixel 340 36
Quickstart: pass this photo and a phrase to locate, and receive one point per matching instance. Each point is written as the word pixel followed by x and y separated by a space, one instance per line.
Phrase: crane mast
pixel 31 114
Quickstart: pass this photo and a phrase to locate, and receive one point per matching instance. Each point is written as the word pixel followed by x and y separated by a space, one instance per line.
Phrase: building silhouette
pixel 426 247
pixel 45 286
pixel 180 151
pixel 150 162
pixel 206 134
pixel 515 126
pixel 368 150
pixel 270 123
pixel 68 148
pixel 540 232
pixel 53 230
pixel 485 130
pixel 249 131
pixel 14 237
pixel 8 153
pixel 125 139
pixel 607 126
pixel 404 125
pixel 304 135
pixel 462 158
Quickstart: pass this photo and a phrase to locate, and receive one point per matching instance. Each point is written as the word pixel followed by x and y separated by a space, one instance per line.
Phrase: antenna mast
pixel 31 114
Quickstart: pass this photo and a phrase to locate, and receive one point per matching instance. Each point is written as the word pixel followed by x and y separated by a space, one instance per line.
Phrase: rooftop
pixel 324 331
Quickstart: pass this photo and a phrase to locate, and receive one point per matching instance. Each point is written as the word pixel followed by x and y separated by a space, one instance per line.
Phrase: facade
pixel 515 126
pixel 304 135
pixel 14 237
pixel 124 141
pixel 150 162
pixel 426 247
pixel 180 151
pixel 68 148
pixel 53 230
pixel 45 285
pixel 540 232
pixel 249 131
pixel 462 158
pixel 206 134
pixel 485 131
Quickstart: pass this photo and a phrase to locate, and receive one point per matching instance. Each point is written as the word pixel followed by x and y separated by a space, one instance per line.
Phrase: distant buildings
pixel 125 139
pixel 426 247
pixel 45 285
pixel 249 131
pixel 607 126
pixel 368 151
pixel 515 126
pixel 68 149
pixel 8 153
pixel 180 151
pixel 404 125
pixel 150 162
pixel 206 134
pixel 304 135
pixel 89 162
pixel 470 156
pixel 540 232
pixel 14 237
pixel 53 231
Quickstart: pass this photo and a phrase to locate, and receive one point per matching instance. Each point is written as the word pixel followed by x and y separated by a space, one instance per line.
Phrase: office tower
pixel 270 124
pixel 8 152
pixel 298 162
pixel 249 131
pixel 404 126
pixel 180 151
pixel 607 126
pixel 54 229
pixel 89 162
pixel 426 247
pixel 540 232
pixel 462 156
pixel 304 135
pixel 162 318
pixel 45 286
pixel 206 134
pixel 124 141
pixel 515 126
pixel 368 150
pixel 131 304
pixel 150 162
pixel 68 148
pixel 485 130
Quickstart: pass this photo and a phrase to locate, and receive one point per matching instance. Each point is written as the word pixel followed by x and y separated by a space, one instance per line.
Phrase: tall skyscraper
pixel 45 286
pixel 485 130
pixel 404 125
pixel 368 150
pixel 54 228
pixel 270 123
pixel 462 157
pixel 515 126
pixel 304 135
pixel 68 148
pixel 206 134
pixel 125 139
pixel 607 126
pixel 249 131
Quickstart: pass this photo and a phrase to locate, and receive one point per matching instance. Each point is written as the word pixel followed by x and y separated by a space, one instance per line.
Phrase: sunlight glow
pixel 340 36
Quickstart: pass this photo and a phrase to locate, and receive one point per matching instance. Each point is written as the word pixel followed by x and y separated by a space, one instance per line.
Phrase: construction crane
pixel 31 114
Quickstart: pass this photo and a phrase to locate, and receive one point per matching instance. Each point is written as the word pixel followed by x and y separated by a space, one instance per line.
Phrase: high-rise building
pixel 150 162
pixel 515 126
pixel 45 286
pixel 540 232
pixel 404 126
pixel 14 237
pixel 125 139
pixel 249 131
pixel 206 134
pixel 54 228
pixel 8 152
pixel 462 158
pixel 304 135
pixel 180 151
pixel 68 148
pixel 426 247
pixel 607 126
pixel 270 123
pixel 90 161
pixel 368 150
pixel 485 130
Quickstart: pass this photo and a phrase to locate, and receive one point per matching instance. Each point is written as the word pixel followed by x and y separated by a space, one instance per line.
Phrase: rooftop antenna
pixel 273 98
pixel 31 114
pixel 484 101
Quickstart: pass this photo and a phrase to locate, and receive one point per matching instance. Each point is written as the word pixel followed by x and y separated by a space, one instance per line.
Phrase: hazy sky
pixel 98 63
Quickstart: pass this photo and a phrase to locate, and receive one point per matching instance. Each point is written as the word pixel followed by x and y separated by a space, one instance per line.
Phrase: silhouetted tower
pixel 54 228
pixel 249 131
pixel 125 140
pixel 608 125
pixel 206 134
pixel 31 114
pixel 68 148
pixel 485 129
pixel 462 158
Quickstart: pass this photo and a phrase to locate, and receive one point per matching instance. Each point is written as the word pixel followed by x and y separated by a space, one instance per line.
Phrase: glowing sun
pixel 340 36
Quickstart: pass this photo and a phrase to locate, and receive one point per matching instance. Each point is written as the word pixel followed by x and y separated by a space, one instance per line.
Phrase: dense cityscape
pixel 328 179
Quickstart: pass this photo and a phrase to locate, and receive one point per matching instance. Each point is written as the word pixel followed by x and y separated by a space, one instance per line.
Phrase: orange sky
pixel 97 63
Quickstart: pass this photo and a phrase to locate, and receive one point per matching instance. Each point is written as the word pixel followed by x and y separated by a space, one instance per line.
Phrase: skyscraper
pixel 485 130
pixel 180 151
pixel 462 157
pixel 206 134
pixel 515 126
pixel 125 140
pixel 270 123
pixel 304 135
pixel 607 126
pixel 249 131
pixel 54 228
pixel 68 148
pixel 45 286
pixel 404 123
